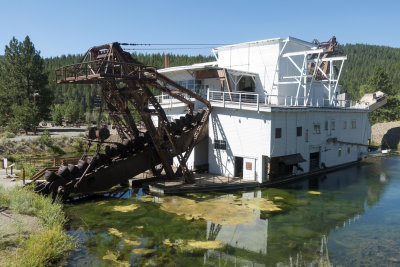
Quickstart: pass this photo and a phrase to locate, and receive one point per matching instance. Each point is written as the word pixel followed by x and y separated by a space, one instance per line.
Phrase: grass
pixel 43 249
pixel 51 243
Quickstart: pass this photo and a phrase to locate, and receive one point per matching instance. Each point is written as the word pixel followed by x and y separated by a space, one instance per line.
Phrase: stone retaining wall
pixel 386 133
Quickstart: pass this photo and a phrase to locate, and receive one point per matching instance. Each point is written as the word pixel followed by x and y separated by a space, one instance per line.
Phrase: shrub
pixel 30 170
pixel 3 197
pixel 43 249
pixel 79 145
pixel 57 149
pixel 9 134
pixel 45 139
pixel 21 201
pixel 51 243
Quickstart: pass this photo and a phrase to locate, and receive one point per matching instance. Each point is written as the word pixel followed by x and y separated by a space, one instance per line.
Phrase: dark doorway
pixel 238 167
pixel 314 161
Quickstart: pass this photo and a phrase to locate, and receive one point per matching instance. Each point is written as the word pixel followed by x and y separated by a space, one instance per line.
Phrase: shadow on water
pixel 244 228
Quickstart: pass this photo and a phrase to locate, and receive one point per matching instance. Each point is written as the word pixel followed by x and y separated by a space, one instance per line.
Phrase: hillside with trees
pixel 368 68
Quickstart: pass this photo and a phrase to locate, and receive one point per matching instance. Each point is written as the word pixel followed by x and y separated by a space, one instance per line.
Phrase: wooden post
pixel 54 162
pixel 23 176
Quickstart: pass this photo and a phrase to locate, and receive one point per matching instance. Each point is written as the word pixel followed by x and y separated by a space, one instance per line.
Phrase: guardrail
pixel 253 99
pixel 313 102
pixel 230 97
pixel 103 67
pixel 170 100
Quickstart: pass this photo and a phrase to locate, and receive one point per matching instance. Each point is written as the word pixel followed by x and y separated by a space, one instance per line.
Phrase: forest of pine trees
pixel 70 97
pixel 368 68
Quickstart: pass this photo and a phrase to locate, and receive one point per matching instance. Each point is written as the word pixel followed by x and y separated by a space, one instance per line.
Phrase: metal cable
pixel 135 44
pixel 170 48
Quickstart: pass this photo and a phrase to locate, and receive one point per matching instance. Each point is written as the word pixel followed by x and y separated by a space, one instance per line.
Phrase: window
pixel 299 131
pixel 326 126
pixel 306 137
pixel 340 152
pixel 278 132
pixel 348 150
pixel 220 144
pixel 317 128
pixel 353 124
pixel 332 125
pixel 344 124
pixel 246 84
pixel 192 85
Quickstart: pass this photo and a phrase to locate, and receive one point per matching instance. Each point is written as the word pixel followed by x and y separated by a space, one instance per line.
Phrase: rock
pixel 389 130
pixel 13 180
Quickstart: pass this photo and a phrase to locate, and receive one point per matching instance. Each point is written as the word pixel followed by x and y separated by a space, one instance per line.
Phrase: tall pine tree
pixel 23 79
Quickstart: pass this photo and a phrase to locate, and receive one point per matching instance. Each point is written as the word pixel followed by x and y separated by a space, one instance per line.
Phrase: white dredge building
pixel 277 110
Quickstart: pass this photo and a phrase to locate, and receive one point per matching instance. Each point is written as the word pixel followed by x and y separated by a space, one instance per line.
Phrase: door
pixel 249 167
pixel 238 167
pixel 265 168
pixel 314 161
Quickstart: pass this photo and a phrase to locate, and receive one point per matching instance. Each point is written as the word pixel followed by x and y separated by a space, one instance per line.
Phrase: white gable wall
pixel 246 133
pixel 258 57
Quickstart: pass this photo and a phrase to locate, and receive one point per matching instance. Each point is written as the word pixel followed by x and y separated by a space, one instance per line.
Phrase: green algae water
pixel 349 217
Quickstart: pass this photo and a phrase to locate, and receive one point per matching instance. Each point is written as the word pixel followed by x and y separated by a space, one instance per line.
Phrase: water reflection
pixel 292 226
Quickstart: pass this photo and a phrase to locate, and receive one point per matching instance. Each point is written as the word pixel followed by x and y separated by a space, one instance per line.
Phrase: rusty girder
pixel 329 50
pixel 125 80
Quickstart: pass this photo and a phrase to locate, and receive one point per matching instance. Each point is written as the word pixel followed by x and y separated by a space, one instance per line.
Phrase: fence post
pixel 23 176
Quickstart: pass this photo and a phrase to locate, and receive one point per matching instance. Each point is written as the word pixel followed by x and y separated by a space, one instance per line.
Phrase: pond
pixel 349 217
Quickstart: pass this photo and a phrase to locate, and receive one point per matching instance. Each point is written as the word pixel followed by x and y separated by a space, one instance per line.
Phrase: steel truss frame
pixel 124 80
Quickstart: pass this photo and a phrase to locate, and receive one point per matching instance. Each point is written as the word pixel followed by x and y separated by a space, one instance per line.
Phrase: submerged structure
pixel 264 111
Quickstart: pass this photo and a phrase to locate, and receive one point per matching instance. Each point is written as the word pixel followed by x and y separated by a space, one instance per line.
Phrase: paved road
pixel 54 132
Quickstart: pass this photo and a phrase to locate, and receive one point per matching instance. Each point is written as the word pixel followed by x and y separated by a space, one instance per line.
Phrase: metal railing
pixel 166 99
pixel 103 67
pixel 237 97
pixel 253 99
pixel 288 101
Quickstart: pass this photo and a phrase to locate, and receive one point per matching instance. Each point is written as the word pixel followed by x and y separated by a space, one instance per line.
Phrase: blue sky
pixel 70 27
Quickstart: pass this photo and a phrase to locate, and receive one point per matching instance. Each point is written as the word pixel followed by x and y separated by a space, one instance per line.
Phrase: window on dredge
pixel 278 133
pixel 220 144
pixel 317 128
pixel 299 131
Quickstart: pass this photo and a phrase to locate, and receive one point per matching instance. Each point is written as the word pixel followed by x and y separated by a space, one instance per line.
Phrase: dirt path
pixel 14 226
pixel 8 181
